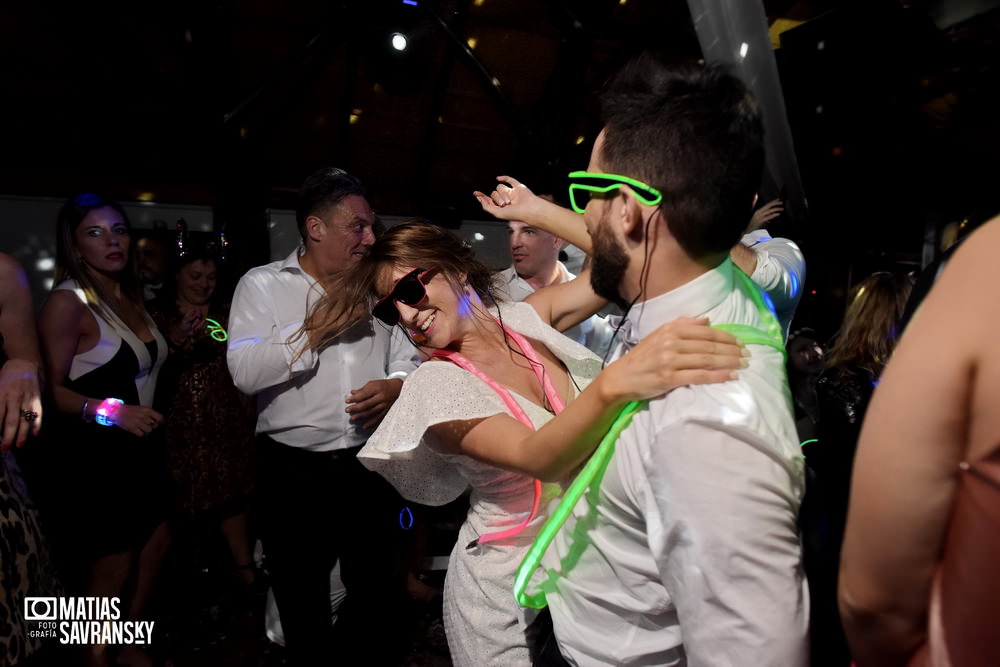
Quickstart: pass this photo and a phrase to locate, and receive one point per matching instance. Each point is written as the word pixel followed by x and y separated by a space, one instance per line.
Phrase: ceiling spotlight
pixel 744 47
pixel 399 41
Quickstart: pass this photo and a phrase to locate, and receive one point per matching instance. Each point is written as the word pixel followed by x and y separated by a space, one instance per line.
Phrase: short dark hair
pixel 322 190
pixel 694 133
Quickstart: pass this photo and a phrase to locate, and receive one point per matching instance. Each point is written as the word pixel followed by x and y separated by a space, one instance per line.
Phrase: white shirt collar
pixel 690 299
pixel 292 261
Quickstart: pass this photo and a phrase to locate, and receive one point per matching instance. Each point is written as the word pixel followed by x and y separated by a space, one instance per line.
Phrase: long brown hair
pixel 351 294
pixel 868 333
pixel 69 265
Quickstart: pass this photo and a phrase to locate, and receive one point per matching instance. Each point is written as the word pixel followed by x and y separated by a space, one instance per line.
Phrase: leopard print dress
pixel 25 569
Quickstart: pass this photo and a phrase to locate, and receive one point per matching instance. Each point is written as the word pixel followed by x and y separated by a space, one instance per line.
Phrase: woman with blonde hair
pixel 859 353
pixel 101 472
pixel 503 400
pixel 918 578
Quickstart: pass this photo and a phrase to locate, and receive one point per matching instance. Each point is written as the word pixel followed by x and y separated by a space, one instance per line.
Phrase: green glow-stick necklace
pixel 592 473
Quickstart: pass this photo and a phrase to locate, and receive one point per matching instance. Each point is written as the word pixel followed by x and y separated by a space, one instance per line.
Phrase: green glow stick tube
pixel 593 471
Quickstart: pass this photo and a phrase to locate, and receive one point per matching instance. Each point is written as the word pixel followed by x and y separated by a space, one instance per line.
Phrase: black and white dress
pixel 103 489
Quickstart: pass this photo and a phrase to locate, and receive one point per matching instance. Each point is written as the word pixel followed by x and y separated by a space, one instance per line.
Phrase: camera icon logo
pixel 40 609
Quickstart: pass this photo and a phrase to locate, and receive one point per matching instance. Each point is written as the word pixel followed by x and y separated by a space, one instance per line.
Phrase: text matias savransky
pixel 84 620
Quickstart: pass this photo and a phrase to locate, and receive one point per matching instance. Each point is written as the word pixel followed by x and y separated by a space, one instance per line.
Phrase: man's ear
pixel 629 213
pixel 315 228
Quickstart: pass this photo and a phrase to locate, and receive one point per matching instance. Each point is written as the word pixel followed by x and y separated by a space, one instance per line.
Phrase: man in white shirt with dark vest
pixel 315 411
pixel 686 552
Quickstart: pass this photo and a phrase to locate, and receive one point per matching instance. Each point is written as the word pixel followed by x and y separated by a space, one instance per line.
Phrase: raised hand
pixel 511 200
pixel 766 214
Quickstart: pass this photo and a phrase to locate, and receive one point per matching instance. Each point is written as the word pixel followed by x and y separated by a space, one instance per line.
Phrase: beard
pixel 608 265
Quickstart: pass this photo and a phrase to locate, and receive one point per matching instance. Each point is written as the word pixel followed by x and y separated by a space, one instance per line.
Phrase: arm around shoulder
pixel 567 304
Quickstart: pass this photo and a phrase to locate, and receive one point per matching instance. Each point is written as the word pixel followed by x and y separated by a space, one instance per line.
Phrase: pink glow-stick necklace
pixel 550 393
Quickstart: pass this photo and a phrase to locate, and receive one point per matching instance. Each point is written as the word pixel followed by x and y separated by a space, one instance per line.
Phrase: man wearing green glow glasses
pixel 686 550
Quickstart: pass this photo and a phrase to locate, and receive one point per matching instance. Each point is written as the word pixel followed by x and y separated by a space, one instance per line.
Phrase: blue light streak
pixel 407 515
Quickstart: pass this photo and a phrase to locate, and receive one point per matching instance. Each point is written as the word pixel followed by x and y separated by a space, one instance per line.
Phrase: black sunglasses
pixel 408 290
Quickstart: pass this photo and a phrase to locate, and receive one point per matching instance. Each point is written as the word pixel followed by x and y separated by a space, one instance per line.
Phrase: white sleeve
pixel 258 354
pixel 780 271
pixel 403 357
pixel 721 513
pixel 401 448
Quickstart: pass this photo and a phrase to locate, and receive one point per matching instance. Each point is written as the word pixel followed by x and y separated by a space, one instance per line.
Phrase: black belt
pixel 290 451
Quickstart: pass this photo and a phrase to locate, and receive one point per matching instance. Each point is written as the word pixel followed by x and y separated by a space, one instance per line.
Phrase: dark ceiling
pixel 232 102
pixel 194 101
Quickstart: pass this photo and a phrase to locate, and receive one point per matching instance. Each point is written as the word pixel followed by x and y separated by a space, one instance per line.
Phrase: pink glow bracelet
pixel 107 411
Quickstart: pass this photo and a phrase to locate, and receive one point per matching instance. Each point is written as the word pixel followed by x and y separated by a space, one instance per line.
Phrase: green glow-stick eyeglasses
pixel 586 184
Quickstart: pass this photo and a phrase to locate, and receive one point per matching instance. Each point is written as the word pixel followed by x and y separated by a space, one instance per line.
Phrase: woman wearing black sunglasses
pixel 505 400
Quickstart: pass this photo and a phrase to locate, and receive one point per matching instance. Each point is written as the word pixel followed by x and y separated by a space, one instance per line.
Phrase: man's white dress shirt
pixel 780 271
pixel 688 552
pixel 300 399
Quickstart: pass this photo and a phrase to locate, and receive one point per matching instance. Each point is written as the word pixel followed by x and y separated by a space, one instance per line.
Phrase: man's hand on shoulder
pixel 369 404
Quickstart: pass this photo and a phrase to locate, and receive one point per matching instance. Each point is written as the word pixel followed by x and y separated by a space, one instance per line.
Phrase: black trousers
pixel 544 647
pixel 315 508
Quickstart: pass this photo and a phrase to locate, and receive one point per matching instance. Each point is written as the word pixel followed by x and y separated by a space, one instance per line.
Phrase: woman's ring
pixel 29 415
